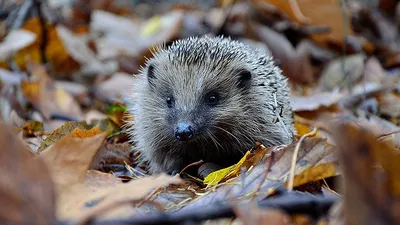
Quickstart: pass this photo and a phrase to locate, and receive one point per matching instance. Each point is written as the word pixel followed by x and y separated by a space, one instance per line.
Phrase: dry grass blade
pixel 294 158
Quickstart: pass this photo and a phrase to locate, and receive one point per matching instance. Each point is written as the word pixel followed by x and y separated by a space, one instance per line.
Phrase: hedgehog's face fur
pixel 201 97
pixel 196 102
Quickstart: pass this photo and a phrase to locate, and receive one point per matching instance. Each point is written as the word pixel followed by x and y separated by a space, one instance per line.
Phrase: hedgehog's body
pixel 210 99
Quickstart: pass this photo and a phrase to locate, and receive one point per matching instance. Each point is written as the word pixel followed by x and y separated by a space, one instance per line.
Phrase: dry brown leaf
pixel 69 159
pixel 43 94
pixel 366 186
pixel 115 88
pixel 117 197
pixel 79 50
pixel 316 101
pixel 319 13
pixel 27 193
pixel 55 52
pixel 334 77
pixel 389 104
pixel 65 129
pixel 295 64
pixel 119 153
pixel 121 34
pixel 373 71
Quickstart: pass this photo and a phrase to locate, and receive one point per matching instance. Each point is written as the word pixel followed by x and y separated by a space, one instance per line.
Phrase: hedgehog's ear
pixel 244 78
pixel 150 74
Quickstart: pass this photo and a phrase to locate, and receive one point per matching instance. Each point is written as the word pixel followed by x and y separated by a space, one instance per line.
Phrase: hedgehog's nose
pixel 184 132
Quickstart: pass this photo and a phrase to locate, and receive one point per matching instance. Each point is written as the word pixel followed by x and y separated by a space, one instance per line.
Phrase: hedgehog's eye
pixel 170 102
pixel 212 98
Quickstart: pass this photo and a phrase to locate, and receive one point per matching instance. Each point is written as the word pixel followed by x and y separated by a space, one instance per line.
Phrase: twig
pixel 294 158
pixel 191 164
pixel 344 47
pixel 43 42
pixel 271 159
pixel 387 134
pixel 148 197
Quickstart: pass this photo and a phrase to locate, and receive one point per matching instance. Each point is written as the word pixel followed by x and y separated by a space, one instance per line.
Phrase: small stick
pixel 42 20
pixel 271 159
pixel 294 159
pixel 191 164
pixel 387 134
pixel 148 197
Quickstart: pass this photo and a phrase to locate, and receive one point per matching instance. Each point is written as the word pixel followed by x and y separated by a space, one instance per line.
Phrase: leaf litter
pixel 62 84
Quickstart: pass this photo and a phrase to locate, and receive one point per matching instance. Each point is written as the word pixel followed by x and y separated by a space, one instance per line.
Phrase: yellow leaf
pixel 315 173
pixel 302 129
pixel 57 55
pixel 86 133
pixel 151 27
pixel 215 177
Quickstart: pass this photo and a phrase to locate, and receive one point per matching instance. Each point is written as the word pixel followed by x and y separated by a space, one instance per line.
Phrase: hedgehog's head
pixel 198 87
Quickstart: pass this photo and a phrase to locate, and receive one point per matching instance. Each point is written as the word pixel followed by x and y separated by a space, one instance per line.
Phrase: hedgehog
pixel 207 98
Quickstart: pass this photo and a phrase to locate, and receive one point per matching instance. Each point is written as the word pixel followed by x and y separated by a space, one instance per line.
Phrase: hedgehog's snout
pixel 184 131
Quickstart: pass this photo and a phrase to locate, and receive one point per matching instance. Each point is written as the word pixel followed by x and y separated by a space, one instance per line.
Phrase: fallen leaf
pixel 295 64
pixel 26 189
pixel 373 71
pixel 328 14
pixel 315 173
pixel 166 27
pixel 8 77
pixel 388 104
pixel 48 99
pixel 120 34
pixel 14 41
pixel 32 127
pixel 133 190
pixel 83 133
pixel 215 177
pixel 57 134
pixel 115 88
pixel 80 52
pixel 314 102
pixel 56 54
pixel 312 152
pixel 342 72
pixel 366 186
pixel 119 153
pixel 94 115
pixel 69 158
pixel 73 88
